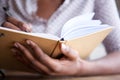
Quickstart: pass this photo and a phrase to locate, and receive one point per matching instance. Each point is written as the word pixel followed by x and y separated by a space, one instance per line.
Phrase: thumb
pixel 69 52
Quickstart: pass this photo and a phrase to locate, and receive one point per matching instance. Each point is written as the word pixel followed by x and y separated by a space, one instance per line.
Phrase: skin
pixel 69 65
pixel 16 24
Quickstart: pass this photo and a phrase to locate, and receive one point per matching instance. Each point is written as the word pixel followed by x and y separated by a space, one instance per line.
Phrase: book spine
pixel 51 54
pixel 56 53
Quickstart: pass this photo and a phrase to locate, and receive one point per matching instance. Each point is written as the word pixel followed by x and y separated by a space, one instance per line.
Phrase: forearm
pixel 109 64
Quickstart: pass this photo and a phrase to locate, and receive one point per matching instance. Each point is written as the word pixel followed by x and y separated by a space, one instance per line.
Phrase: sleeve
pixel 2 13
pixel 106 11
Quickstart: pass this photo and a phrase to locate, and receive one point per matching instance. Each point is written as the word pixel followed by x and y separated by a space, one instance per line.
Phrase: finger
pixel 44 58
pixel 19 56
pixel 25 61
pixel 31 59
pixel 9 25
pixel 21 25
pixel 69 52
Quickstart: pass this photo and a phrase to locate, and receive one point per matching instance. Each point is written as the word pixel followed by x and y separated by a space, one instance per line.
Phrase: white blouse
pixel 105 10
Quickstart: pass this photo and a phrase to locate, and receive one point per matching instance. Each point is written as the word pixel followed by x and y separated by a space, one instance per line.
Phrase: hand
pixel 16 24
pixel 70 64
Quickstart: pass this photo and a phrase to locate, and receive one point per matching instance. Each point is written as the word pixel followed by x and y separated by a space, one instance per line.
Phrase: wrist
pixel 86 68
pixel 92 68
pixel 82 68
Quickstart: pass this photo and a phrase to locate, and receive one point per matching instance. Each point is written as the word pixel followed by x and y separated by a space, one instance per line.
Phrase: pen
pixel 6 11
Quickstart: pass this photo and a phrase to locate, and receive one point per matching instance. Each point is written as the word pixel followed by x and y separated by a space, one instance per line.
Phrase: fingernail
pixel 23 26
pixel 26 28
pixel 28 42
pixel 16 45
pixel 64 46
pixel 29 27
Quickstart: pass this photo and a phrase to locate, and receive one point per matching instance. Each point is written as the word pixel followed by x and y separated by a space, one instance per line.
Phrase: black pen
pixel 7 14
pixel 6 9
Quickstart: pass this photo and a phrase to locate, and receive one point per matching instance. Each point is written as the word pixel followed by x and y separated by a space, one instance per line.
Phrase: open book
pixel 80 33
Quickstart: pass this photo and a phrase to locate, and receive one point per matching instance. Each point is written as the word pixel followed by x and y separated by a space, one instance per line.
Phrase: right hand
pixel 13 23
pixel 69 64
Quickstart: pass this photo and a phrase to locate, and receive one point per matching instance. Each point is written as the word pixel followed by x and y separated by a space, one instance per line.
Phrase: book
pixel 81 33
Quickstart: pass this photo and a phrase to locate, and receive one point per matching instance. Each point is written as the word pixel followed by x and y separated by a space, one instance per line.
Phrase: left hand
pixel 70 64
pixel 16 24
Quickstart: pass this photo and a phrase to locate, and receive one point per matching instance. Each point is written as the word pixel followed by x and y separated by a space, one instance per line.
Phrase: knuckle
pixel 68 50
pixel 32 44
pixel 9 18
pixel 5 24
pixel 25 51
pixel 42 57
pixel 76 53
pixel 33 61
pixel 57 69
pixel 35 46
pixel 20 24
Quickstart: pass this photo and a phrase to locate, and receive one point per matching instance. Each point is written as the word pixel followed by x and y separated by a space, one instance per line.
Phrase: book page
pixel 77 33
pixel 76 21
pixel 79 26
pixel 82 25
